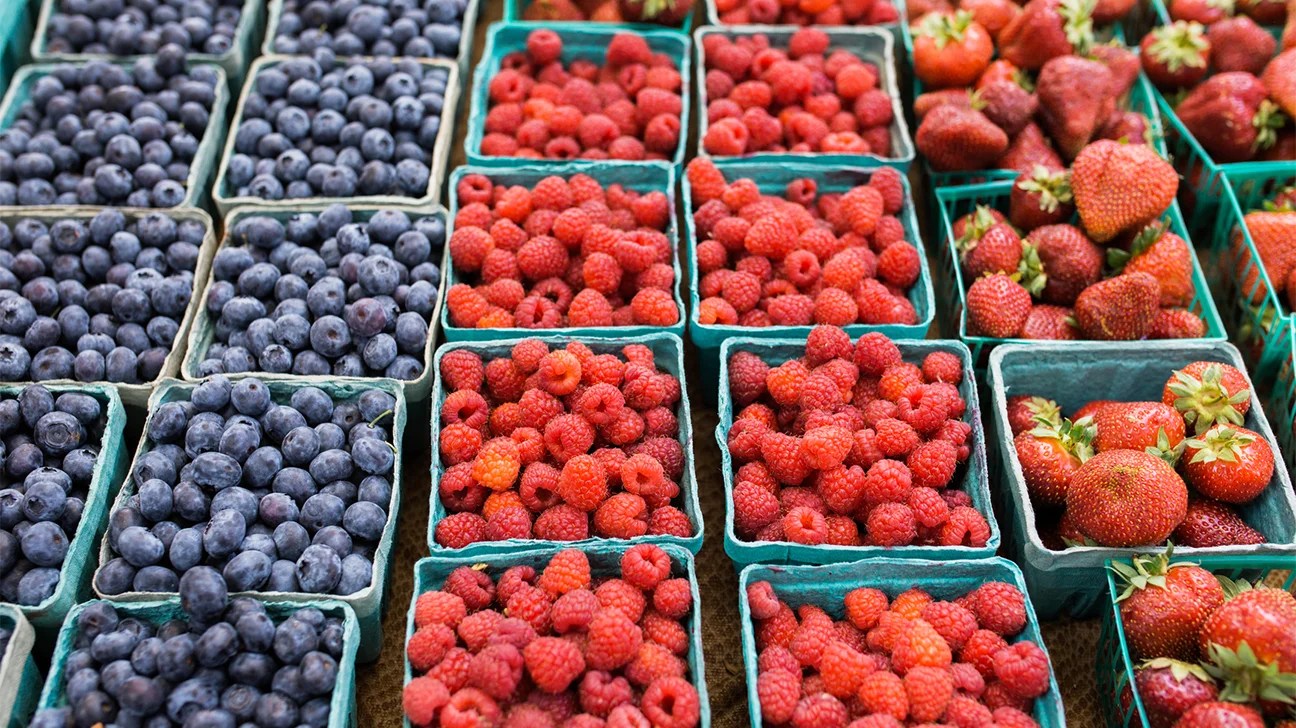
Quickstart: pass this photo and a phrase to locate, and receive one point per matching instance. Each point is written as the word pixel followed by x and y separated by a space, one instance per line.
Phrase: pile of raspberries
pixel 851 445
pixel 806 12
pixel 559 445
pixel 566 252
pixel 560 647
pixel 804 258
pixel 913 658
pixel 802 98
pixel 628 109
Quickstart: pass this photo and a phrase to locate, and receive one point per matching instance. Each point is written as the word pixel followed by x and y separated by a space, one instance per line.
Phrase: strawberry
pixel 998 250
pixel 1001 70
pixel 997 306
pixel 1211 523
pixel 1008 105
pixel 1125 498
pixel 950 50
pixel 1059 262
pixel 1109 11
pixel 975 224
pixel 1041 197
pixel 1208 393
pixel 1026 412
pixel 1271 233
pixel 1280 80
pixel 1137 426
pixel 1120 187
pixel 955 139
pixel 1175 55
pixel 1163 605
pixel 1177 323
pixel 1230 464
pixel 960 97
pixel 661 12
pixel 1221 715
pixel 1126 127
pixel 1050 323
pixel 1165 256
pixel 1047 29
pixel 552 10
pixel 1118 309
pixel 1028 150
pixel 1091 408
pixel 1200 11
pixel 993 15
pixel 1075 98
pixel 1168 688
pixel 1238 44
pixel 1264 12
pixel 1251 642
pixel 1230 116
pixel 1121 61
pixel 1050 455
pixel 1288 39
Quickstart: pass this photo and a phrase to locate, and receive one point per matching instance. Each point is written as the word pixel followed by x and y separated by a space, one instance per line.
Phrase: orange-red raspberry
pixel 568 570
pixel 899 265
pixel 553 663
pixel 568 436
pixel 457 530
pixel 613 640
pixel 980 649
pixel 623 515
pixel 671 702
pixel 999 607
pixel 778 692
pixel 843 668
pixel 429 644
pixel 805 526
pixel 462 369
pixel 891 524
pixel 883 692
pixel 1009 717
pixel 932 463
pixel 825 343
pixel 952 622
pixel 439 607
pixel 875 353
pixel 1023 669
pixel 929 690
pixel 889 183
pixel 669 521
pixel 651 662
pixel 582 482
pixel 573 611
pixel 422 698
pixel 965 712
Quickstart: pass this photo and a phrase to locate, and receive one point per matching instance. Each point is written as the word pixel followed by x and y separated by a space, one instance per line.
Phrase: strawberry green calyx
pixel 655 8
pixel 1179 669
pixel 1143 572
pixel 1077 22
pixel 1165 451
pixel 1221 443
pixel 1076 437
pixel 976 228
pixel 1267 121
pixel 944 28
pixel 975 102
pixel 1247 679
pixel 1147 237
pixel 1206 402
pixel 1179 45
pixel 1225 6
pixel 1044 411
pixel 1031 270
pixel 1053 187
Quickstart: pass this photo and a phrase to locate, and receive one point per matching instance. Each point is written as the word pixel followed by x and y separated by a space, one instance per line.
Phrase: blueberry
pixel 37 586
pixel 250 397
pixel 203 593
pixel 44 544
pixel 139 546
pixel 318 570
pixel 294 638
pixel 189 697
pixel 224 532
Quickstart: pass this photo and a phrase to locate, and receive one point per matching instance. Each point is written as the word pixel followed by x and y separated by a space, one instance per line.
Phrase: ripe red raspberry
pixel 496 670
pixel 553 663
pixel 666 632
pixel 1023 669
pixel 466 406
pixel 669 521
pixel 861 207
pixel 573 611
pixel 864 606
pixel 899 265
pixel 726 137
pixel 820 710
pixel 462 369
pixel 887 481
pixel 826 447
pixel 761 600
pixel 583 482
pixel 503 380
pixel 543 46
pixel 600 693
pixel 645 566
pixel 666 450
pixel 891 524
pixel 999 607
pixel 651 662
pixel 778 692
pixel 624 515
pixel 428 645
pixel 883 692
pixel 562 523
pixel 497 464
pixel 568 436
pixel 808 42
pixel 673 598
pixel 932 463
pixel 888 182
pixel 671 702
pixel 896 438
pixel 842 488
pixel 836 307
pixel 929 690
pixel 706 182
pixel 980 649
pixel 620 596
pixel 422 698
pixel 568 570
pixel 843 668
pixel 930 509
pixel 459 443
pixel 474 588
pixel 952 622
pixel 805 526
pixel 439 607
pixel 654 307
pixel 452 671
pixel 457 530
pixel 613 640
pixel 825 343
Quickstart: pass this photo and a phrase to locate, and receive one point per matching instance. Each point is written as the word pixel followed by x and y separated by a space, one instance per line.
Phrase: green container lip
pixel 892 575
pixel 858 40
pixel 14 662
pixel 201 334
pixel 430 573
pixel 670 350
pixel 504 38
pixel 772 178
pixel 647 176
pixel 199 167
pixel 975 484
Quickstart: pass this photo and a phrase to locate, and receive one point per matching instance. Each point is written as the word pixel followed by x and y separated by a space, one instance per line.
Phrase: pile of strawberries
pixel 805 257
pixel 1207 651
pixel 629 109
pixel 913 658
pixel 557 647
pixel 851 445
pixel 806 12
pixel 1130 474
pixel 1272 228
pixel 1050 91
pixel 1117 274
pixel 802 98
pixel 566 252
pixel 559 445
pixel 670 13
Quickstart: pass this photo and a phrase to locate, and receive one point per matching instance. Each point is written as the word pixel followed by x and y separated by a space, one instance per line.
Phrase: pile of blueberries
pixel 47 458
pixel 285 496
pixel 141 27
pixel 94 299
pixel 325 294
pixel 337 129
pixel 101 134
pixel 224 663
pixel 418 28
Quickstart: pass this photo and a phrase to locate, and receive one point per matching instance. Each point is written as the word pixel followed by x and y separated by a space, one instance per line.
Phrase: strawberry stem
pixel 1179 45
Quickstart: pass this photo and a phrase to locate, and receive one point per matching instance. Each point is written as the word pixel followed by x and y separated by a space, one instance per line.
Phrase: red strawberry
pixel 1210 523
pixel 1125 498
pixel 1091 408
pixel 1177 323
pixel 1008 105
pixel 998 250
pixel 1238 44
pixel 1120 187
pixel 1221 715
pixel 1230 464
pixel 1271 232
pixel 997 307
pixel 1001 70
pixel 552 10
pixel 924 104
pixel 1047 29
pixel 1230 116
pixel 1137 426
pixel 994 15
pixel 1050 455
pixel 1050 323
pixel 955 139
pixel 1059 262
pixel 1041 197
pixel 1201 11
pixel 1028 150
pixel 1168 688
pixel 1280 79
pixel 1264 12
pixel 976 223
pixel 1248 639
pixel 661 12
pixel 1127 127
pixel 950 50
pixel 1118 309
pixel 1163 605
pixel 1208 393
pixel 1176 55
pixel 1108 11
pixel 1075 98
pixel 1026 412
pixel 1163 255
pixel 1121 61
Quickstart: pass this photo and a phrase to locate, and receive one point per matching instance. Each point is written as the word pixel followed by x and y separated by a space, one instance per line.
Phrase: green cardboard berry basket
pixel 1281 402
pixel 136 395
pixel 513 10
pixel 1121 703
pixel 198 185
pixel 15 37
pixel 971 477
pixel 368 603
pixel 234 61
pixel 956 202
pixel 225 196
pixel 605 561
pixel 585 40
pixel 668 351
pixel 20 678
pixel 342 704
pixel 203 333
pixel 1070 581
pixel 640 176
pixel 826 587
pixel 873 45
pixel 110 468
pixel 773 178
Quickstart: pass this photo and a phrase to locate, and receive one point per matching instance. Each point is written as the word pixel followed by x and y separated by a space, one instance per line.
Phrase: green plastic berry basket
pixel 225 196
pixel 1070 580
pixel 1281 402
pixel 15 38
pixel 605 561
pixel 198 184
pixel 588 41
pixel 203 333
pixel 368 603
pixel 514 10
pixel 826 587
pixel 1121 703
pixel 136 395
pixel 235 60
pixel 873 45
pixel 773 178
pixel 956 202
pixel 342 704
pixel 971 477
pixel 641 177
pixel 109 470
pixel 20 678
pixel 668 351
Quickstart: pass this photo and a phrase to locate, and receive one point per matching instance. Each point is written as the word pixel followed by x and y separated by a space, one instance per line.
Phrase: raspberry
pixel 889 183
pixel 661 422
pixel 474 588
pixel 820 710
pixel 887 481
pixel 826 447
pixel 843 668
pixel 567 571
pixel 621 596
pixel 965 712
pixel 665 631
pixel 999 607
pixel 778 692
pixel 600 692
pixel 747 376
pixel 862 207
pixel 911 603
pixel 543 46
pixel 457 530
pixel 645 566
pixel 439 607
pixel 669 521
pixel 929 690
pixel 899 265
pixel 504 381
pixel 930 509
pixel 531 605
pixel 626 716
pixel 951 621
pixel 567 437
pixel 1008 717
pixel 666 450
pixel 842 488
pixel 512 631
pixel 613 640
pixel 622 516
pixel 825 343
pixel 452 671
pixel 428 645
pixel 835 306
pixel 528 716
pixel 875 353
pixel 497 464
pixel 582 482
pixel 932 464
pixel 726 137
pixel 997 696
pixel 422 698
pixel 652 662
pixel 496 670
pixel 462 369
pixel 627 48
pixel 654 307
pixel 553 663
pixel 891 524
pixel 762 601
pixel 1023 669
pixel 980 649
pixel 884 693
pixel 477 628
